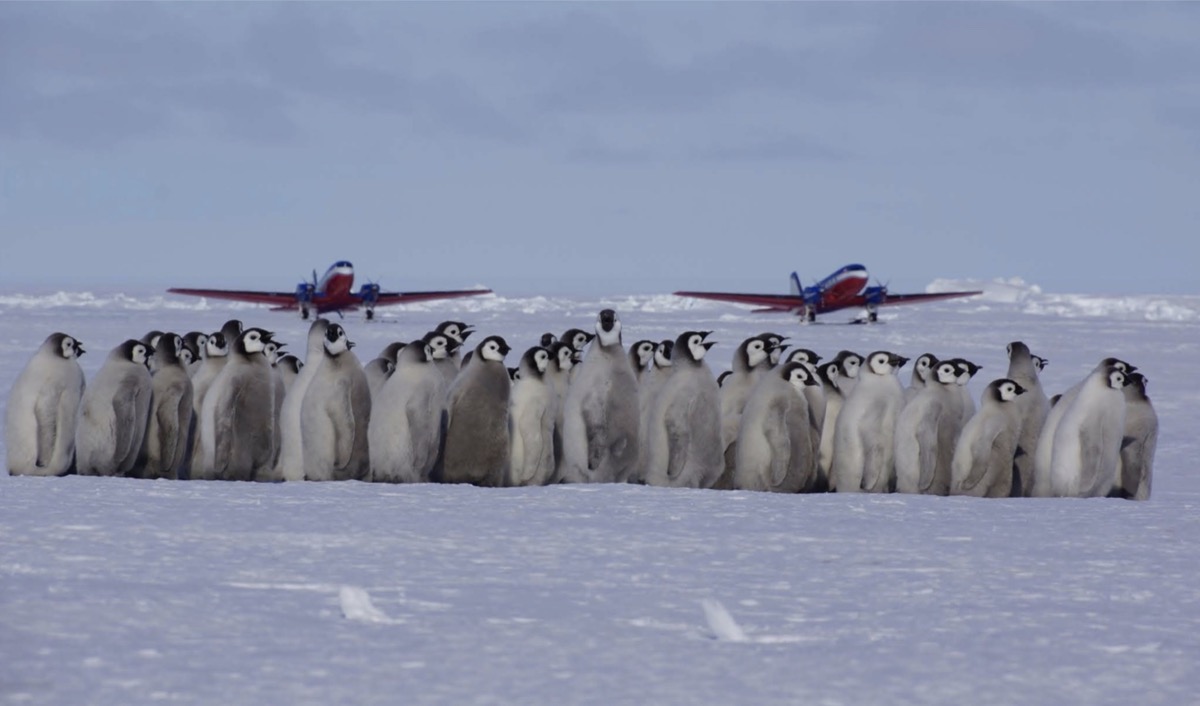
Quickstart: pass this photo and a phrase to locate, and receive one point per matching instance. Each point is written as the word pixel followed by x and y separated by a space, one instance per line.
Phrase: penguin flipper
pixel 46 418
pixel 677 447
pixel 167 418
pixel 123 412
pixel 437 472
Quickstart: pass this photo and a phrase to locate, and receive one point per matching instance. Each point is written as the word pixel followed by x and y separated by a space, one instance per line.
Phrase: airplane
pixel 847 287
pixel 333 292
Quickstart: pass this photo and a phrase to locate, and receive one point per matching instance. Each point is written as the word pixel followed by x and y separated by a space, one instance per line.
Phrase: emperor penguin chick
pixel 922 372
pixel 927 430
pixel 830 376
pixel 601 423
pixel 290 466
pixel 475 423
pixel 237 422
pixel 1032 407
pixel 39 422
pixel 1139 442
pixel 683 447
pixel 164 449
pixel 983 456
pixel 532 409
pixel 289 367
pixel 406 414
pixel 113 412
pixel 774 449
pixel 215 358
pixel 641 353
pixel 377 372
pixel 1087 442
pixel 751 358
pixel 336 414
pixel 814 393
pixel 864 449
pixel 197 342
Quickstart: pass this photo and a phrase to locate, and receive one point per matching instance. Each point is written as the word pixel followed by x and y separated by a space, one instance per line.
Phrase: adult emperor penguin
pixel 475 423
pixel 532 409
pixel 406 416
pixel 113 412
pixel 983 456
pixel 164 448
pixel 683 443
pixel 1043 454
pixel 1086 455
pixel 335 415
pixel 863 445
pixel 39 423
pixel 922 370
pixel 237 421
pixel 600 416
pixel 290 466
pixel 927 430
pixel 641 354
pixel 1139 442
pixel 830 377
pixel 751 358
pixel 1032 408
pixel 774 450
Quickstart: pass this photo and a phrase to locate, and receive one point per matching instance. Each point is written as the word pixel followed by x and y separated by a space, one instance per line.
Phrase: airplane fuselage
pixel 838 288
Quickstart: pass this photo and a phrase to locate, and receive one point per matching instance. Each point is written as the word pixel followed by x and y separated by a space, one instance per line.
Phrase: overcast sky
pixel 616 147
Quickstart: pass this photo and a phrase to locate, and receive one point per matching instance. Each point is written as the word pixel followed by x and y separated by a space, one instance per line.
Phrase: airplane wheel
pixel 304 313
pixel 370 314
pixel 873 317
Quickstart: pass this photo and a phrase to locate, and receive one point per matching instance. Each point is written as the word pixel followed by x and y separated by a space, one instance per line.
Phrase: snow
pixel 117 591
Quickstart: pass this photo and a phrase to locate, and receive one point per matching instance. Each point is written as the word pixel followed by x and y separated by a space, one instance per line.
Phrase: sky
pixel 600 148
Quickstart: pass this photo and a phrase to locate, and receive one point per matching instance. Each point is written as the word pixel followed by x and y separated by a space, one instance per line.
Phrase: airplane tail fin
pixel 797 290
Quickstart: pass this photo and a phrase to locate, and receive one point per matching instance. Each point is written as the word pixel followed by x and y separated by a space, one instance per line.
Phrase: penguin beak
pixel 466 331
pixel 79 348
pixel 350 344
pixel 705 334
pixel 898 360
pixel 505 349
pixel 708 344
pixel 1018 389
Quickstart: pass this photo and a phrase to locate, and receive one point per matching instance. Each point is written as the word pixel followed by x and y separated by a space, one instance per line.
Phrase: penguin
pixel 215 357
pixel 659 371
pixel 532 409
pixel 558 376
pixel 113 412
pixel 39 422
pixel 1042 486
pixel 1039 362
pixel 927 431
pixel 274 351
pixel 751 358
pixel 577 339
pixel 830 376
pixel 164 448
pixel 814 394
pixel 863 445
pixel 774 450
pixel 151 338
pixel 640 355
pixel 197 343
pixel 391 351
pixel 475 422
pixel 1138 443
pixel 1032 408
pixel 1086 455
pixel 378 371
pixel 966 371
pixel 922 368
pixel 289 367
pixel 237 421
pixel 983 456
pixel 335 415
pixel 775 347
pixel 456 333
pixel 683 442
pixel 290 466
pixel 849 364
pixel 404 436
pixel 547 339
pixel 601 422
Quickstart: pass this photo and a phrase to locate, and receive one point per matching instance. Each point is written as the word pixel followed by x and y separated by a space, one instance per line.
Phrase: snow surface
pixel 116 591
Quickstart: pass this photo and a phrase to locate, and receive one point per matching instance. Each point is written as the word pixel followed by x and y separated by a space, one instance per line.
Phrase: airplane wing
pixel 925 297
pixel 279 299
pixel 386 298
pixel 769 302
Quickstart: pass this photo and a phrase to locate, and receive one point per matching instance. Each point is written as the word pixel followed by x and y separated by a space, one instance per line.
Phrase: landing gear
pixel 304 313
pixel 808 315
pixel 370 314
pixel 872 314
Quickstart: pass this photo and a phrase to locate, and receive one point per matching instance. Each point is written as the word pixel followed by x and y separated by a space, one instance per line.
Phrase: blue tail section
pixel 797 290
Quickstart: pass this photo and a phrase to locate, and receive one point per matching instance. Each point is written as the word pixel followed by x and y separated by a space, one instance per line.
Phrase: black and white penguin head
pixel 437 345
pixel 694 344
pixel 152 337
pixel 563 355
pixel 1135 385
pixel 1118 364
pixel 1039 362
pixel 885 363
pixel 1016 349
pixel 187 357
pixel 272 351
pixel 289 362
pixel 1117 378
pixel 493 349
pixel 252 341
pixel 136 352
pixel 1007 390
pixel 966 369
pixel 548 339
pixel 662 354
pixel 775 346
pixel 63 346
pixel 829 374
pixel 946 373
pixel 641 353
pixel 754 351
pixel 392 350
pixel 849 363
pixel 577 339
pixel 217 346
pixel 608 328
pixel 514 374
pixel 170 349
pixel 924 365
pixel 798 375
pixel 456 331
pixel 232 329
pixel 336 340
pixel 806 356
pixel 535 361
pixel 198 342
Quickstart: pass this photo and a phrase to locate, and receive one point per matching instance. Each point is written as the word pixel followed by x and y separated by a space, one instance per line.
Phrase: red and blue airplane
pixel 333 292
pixel 843 289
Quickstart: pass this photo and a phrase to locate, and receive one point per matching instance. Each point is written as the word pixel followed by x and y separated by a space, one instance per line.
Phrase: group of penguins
pixel 579 408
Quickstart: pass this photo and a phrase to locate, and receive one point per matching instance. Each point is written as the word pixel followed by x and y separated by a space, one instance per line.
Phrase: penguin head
pixel 198 342
pixel 232 329
pixel 456 331
pixel 271 350
pixel 63 346
pixel 883 363
pixel 775 346
pixel 608 328
pixel 289 362
pixel 1117 378
pixel 966 369
pixel 216 346
pixel 152 337
pixel 830 373
pixel 136 352
pixel 924 365
pixel 563 355
pixel 946 373
pixel 169 349
pixel 514 374
pixel 252 341
pixel 437 345
pixel 754 351
pixel 798 375
pixel 535 361
pixel 1135 385
pixel 694 344
pixel 806 356
pixel 187 357
pixel 1006 390
pixel 392 351
pixel 577 339
pixel 336 340
pixel 1016 349
pixel 849 363
pixel 722 376
pixel 662 354
pixel 641 353
pixel 493 348
pixel 548 339
pixel 1039 362
pixel 1118 364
